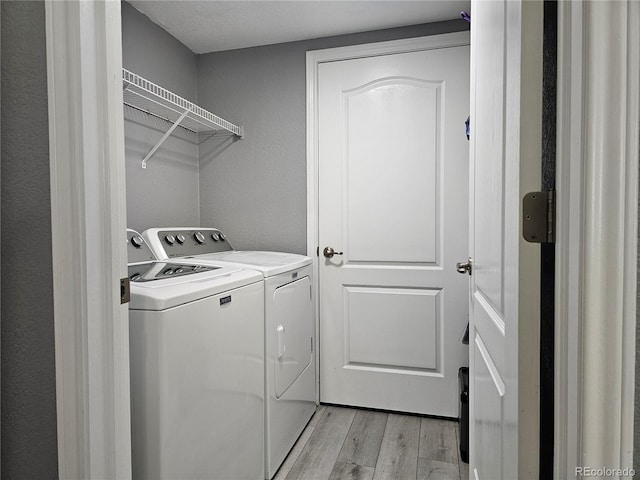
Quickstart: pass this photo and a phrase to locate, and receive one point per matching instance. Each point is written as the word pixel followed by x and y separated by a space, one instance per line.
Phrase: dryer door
pixel 293 323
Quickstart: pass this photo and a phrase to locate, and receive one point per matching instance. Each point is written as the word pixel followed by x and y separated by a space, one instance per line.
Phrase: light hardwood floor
pixel 343 443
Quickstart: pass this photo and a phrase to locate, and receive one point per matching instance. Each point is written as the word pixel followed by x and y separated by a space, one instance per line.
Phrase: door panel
pixel 489 438
pixel 488 138
pixel 407 109
pixel 393 170
pixel 409 342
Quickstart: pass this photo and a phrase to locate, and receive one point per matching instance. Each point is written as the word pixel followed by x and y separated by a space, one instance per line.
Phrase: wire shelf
pixel 144 95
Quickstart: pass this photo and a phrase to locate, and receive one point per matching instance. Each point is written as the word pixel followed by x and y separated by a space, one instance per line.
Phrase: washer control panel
pixel 151 271
pixel 182 242
pixel 137 248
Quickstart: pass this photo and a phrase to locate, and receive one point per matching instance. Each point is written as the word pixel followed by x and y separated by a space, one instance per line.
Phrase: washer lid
pixel 152 288
pixel 269 263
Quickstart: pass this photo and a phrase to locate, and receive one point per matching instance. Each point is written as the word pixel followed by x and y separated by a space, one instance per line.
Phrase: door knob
pixel 330 252
pixel 464 267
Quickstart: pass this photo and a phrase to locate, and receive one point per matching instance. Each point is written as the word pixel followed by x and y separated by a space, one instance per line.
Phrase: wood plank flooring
pixel 342 443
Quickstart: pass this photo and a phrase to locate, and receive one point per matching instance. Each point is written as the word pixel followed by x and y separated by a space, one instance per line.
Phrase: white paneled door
pixel 506 105
pixel 393 206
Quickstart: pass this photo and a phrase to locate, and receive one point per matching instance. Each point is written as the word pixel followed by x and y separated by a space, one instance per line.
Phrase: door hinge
pixel 539 217
pixel 125 290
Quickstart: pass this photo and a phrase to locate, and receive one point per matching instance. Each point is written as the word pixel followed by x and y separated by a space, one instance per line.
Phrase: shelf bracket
pixel 164 138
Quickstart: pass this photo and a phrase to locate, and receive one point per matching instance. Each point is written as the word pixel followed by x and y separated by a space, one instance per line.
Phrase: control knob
pixel 222 237
pixel 198 237
pixel 180 238
pixel 137 241
pixel 170 239
pixel 215 237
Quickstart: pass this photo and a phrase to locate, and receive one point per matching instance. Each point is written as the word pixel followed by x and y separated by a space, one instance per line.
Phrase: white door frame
pixel 86 142
pixel 596 250
pixel 314 59
pixel 88 217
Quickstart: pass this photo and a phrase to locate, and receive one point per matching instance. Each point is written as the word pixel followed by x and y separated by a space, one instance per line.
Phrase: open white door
pixel 506 103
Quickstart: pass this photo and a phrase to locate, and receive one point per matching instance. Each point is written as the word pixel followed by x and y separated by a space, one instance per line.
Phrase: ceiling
pixel 214 25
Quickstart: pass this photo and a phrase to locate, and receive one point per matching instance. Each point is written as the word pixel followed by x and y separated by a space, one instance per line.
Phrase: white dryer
pixel 197 368
pixel 290 371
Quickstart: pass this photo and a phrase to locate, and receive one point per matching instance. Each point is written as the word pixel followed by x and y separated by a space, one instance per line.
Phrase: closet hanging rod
pixel 159 117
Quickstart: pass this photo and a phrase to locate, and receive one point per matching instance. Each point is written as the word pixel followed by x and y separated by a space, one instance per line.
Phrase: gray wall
pixel 28 416
pixel 167 191
pixel 636 417
pixel 255 189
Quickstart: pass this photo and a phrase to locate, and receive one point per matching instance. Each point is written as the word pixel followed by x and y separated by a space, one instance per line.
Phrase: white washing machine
pixel 290 372
pixel 196 339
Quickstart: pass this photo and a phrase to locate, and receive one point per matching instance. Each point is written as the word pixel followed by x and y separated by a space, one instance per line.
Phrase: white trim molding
pixel 84 61
pixel 597 195
pixel 314 59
